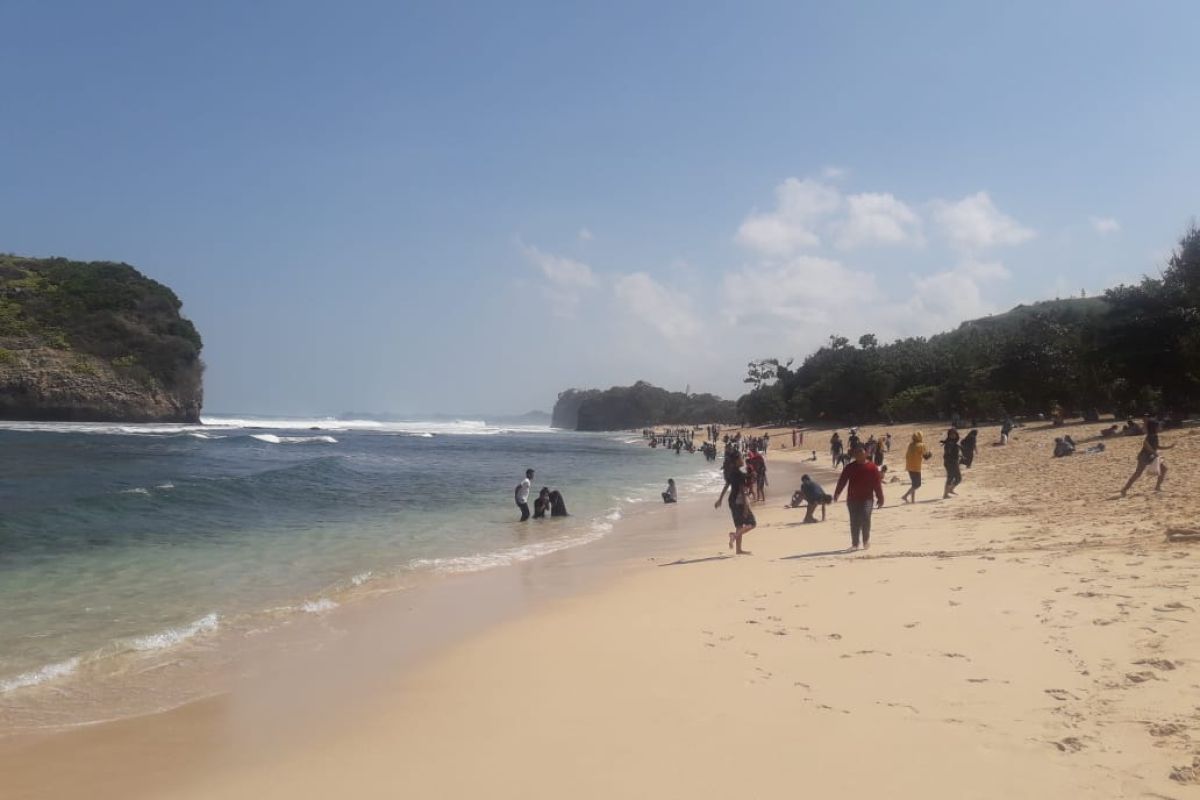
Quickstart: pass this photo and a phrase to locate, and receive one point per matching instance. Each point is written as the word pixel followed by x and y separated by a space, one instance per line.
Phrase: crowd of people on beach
pixel 862 471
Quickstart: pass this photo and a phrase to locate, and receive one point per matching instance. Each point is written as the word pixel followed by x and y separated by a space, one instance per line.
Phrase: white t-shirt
pixel 523 491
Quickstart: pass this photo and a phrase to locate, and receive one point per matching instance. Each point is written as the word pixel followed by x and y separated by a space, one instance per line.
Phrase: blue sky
pixel 464 208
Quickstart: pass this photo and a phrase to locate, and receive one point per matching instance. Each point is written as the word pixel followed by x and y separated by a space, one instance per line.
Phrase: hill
pixel 639 406
pixel 1134 350
pixel 94 341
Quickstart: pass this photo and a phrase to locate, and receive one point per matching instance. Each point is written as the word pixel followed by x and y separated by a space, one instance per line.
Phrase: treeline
pixel 1134 350
pixel 639 406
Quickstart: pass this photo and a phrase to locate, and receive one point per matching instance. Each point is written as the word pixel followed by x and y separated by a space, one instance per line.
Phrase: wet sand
pixel 1034 635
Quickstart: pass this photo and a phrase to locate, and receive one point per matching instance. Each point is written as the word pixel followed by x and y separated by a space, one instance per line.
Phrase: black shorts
pixel 742 515
pixel 915 477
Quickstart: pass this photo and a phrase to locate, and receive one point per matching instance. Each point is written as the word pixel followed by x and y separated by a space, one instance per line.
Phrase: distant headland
pixel 94 342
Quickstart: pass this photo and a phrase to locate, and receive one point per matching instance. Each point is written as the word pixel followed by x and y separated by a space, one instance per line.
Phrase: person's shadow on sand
pixel 819 554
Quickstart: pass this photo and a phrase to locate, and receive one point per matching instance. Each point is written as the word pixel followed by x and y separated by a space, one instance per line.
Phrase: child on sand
pixel 1148 457
pixel 670 496
pixel 861 480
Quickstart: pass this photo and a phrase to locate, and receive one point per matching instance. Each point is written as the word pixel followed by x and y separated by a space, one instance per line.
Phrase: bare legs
pixel 1137 473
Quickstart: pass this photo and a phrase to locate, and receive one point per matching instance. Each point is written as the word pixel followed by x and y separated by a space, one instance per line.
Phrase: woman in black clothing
pixel 1148 455
pixel 951 460
pixel 969 445
pixel 558 506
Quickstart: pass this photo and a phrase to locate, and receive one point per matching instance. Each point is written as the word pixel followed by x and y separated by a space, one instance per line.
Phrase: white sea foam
pixel 174 636
pixel 212 427
pixel 318 606
pixel 136 490
pixel 271 438
pixel 165 486
pixel 361 578
pixel 41 675
pixel 504 558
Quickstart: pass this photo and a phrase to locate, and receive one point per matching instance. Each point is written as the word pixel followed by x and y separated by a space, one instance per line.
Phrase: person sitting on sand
pixel 670 496
pixel 1132 428
pixel 737 483
pixel 952 461
pixel 914 459
pixel 1148 457
pixel 542 504
pixel 558 506
pixel 861 480
pixel 1110 431
pixel 1063 447
pixel 812 493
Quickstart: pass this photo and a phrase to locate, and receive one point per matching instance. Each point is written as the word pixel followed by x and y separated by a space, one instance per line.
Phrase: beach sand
pixel 1033 636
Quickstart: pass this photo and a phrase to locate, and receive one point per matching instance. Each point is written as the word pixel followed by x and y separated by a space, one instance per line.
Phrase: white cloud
pixel 795 298
pixel 791 226
pixel 566 278
pixel 985 270
pixel 665 310
pixel 975 223
pixel 1105 225
pixel 877 219
pixel 833 173
pixel 585 235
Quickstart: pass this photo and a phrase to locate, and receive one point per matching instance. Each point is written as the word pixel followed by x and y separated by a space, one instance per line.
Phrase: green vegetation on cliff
pixel 1136 349
pixel 117 332
pixel 638 406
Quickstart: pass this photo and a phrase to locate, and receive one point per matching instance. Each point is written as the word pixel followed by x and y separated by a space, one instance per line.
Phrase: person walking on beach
pixel 864 489
pixel 969 445
pixel 521 494
pixel 952 461
pixel 737 484
pixel 1148 457
pixel 835 448
pixel 914 459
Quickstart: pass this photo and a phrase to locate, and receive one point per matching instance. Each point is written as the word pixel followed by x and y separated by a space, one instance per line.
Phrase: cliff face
pixel 94 342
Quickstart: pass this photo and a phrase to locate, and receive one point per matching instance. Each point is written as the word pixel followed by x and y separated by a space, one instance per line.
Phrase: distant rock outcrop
pixel 94 341
pixel 638 406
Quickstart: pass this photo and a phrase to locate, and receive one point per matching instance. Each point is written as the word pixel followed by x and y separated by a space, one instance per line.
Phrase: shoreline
pixel 983 647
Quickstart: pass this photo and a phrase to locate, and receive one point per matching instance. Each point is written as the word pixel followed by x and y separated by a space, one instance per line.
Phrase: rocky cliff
pixel 94 341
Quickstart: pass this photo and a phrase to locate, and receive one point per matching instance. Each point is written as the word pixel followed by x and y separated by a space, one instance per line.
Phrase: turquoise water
pixel 128 540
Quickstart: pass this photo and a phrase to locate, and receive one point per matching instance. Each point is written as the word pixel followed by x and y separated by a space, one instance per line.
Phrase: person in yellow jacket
pixel 914 458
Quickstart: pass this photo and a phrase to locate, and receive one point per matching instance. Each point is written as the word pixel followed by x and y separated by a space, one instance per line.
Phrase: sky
pixel 465 208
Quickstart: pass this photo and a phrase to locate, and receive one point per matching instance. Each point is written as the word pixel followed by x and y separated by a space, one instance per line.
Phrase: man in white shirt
pixel 522 494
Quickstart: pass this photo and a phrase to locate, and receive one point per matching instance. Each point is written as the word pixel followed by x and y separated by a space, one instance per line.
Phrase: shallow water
pixel 126 545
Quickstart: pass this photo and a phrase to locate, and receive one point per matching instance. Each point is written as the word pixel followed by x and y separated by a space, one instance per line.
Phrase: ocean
pixel 125 548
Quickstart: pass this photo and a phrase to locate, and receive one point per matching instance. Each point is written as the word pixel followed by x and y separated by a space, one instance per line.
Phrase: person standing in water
pixel 951 460
pixel 738 486
pixel 1148 456
pixel 914 459
pixel 521 494
pixel 864 490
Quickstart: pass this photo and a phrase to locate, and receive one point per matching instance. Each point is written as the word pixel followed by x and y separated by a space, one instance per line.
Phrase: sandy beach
pixel 1032 636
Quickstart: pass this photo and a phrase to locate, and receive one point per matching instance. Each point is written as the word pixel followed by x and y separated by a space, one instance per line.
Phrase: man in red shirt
pixel 862 481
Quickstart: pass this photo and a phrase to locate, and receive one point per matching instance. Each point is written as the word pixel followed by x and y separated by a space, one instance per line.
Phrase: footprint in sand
pixel 1061 695
pixel 1189 774
pixel 1162 729
pixel 955 655
pixel 1157 663
pixel 1140 677
pixel 912 624
pixel 1174 607
pixel 1069 745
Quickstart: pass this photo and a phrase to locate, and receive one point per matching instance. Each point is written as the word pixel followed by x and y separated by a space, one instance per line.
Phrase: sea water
pixel 122 542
